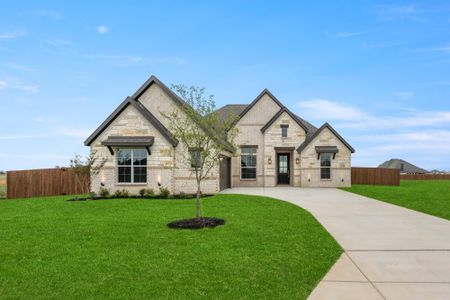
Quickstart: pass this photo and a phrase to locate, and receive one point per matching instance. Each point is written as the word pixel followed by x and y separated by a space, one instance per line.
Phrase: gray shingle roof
pixel 237 109
pixel 396 163
pixel 233 109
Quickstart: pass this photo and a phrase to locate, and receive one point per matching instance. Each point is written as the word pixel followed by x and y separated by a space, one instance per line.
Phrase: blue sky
pixel 378 71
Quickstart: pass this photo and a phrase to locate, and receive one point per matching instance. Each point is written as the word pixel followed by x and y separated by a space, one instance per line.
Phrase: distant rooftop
pixel 402 165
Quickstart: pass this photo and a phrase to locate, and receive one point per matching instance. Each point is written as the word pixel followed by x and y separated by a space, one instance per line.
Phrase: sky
pixel 377 71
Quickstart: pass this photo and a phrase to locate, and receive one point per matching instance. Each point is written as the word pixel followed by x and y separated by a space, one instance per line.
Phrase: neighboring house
pixel 275 147
pixel 404 166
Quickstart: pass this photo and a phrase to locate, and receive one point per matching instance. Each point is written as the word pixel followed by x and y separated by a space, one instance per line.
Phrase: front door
pixel 225 173
pixel 283 168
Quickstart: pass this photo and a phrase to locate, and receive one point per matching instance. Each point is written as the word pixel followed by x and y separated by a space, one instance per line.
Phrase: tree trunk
pixel 198 208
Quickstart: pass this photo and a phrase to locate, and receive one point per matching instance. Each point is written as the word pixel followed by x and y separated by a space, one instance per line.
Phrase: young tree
pixel 206 138
pixel 86 168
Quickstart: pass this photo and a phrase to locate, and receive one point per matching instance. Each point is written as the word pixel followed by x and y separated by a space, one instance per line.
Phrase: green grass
pixel 119 248
pixel 428 196
pixel 2 186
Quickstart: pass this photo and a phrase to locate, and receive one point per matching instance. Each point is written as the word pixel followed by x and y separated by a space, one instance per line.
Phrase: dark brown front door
pixel 283 168
pixel 225 173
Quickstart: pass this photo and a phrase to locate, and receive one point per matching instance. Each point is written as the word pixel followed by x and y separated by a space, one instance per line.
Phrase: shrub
pixel 164 192
pixel 103 192
pixel 149 193
pixel 182 195
pixel 142 192
pixel 123 193
pixel 92 195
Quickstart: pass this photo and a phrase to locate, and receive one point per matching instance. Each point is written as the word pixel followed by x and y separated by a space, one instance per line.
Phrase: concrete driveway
pixel 390 252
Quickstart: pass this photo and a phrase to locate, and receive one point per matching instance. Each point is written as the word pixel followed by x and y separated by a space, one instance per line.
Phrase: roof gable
pixel 278 114
pixel 253 103
pixel 313 136
pixel 144 111
pixel 154 80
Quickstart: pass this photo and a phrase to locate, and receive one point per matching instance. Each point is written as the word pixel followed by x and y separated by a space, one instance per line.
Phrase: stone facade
pixel 250 134
pixel 340 165
pixel 274 143
pixel 167 165
pixel 304 167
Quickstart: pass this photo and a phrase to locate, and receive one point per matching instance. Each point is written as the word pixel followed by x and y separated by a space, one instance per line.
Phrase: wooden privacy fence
pixel 43 182
pixel 375 176
pixel 425 176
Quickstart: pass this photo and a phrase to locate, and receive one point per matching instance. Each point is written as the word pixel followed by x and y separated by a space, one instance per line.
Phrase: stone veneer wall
pixel 250 134
pixel 164 165
pixel 159 163
pixel 157 101
pixel 340 166
pixel 272 139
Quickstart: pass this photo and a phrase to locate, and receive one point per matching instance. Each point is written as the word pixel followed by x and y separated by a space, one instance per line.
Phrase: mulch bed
pixel 195 223
pixel 171 197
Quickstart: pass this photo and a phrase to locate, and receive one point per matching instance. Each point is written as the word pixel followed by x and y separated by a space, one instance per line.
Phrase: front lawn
pixel 122 249
pixel 2 186
pixel 428 196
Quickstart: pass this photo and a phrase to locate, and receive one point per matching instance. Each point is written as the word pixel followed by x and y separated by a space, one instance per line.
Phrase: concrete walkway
pixel 390 252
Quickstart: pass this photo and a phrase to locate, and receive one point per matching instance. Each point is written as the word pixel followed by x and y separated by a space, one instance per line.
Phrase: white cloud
pixel 20 67
pixel 42 119
pixel 102 29
pixel 444 49
pixel 31 156
pixel 343 35
pixel 55 15
pixel 426 148
pixel 13 83
pixel 59 42
pixel 351 117
pixel 58 132
pixel 11 35
pixel 404 95
pixel 376 45
pixel 23 101
pixel 326 109
pixel 23 136
pixel 411 12
pixel 74 132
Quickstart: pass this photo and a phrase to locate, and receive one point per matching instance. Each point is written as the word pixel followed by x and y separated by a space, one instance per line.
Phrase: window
pixel 132 165
pixel 248 163
pixel 325 166
pixel 284 130
pixel 196 158
pixel 402 168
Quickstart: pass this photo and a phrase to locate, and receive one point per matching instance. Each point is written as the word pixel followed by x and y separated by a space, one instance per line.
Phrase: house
pixel 404 166
pixel 275 147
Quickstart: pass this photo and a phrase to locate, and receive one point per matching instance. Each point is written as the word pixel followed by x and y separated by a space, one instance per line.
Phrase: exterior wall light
pixel 309 177
pixel 297 160
pixel 269 161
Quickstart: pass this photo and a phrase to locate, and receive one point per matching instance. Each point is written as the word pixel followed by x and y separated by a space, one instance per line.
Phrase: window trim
pixel 256 163
pixel 325 167
pixel 199 151
pixel 283 128
pixel 132 166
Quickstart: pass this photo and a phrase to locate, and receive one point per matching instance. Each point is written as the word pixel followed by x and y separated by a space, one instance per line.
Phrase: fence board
pixel 43 182
pixel 425 176
pixel 375 176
